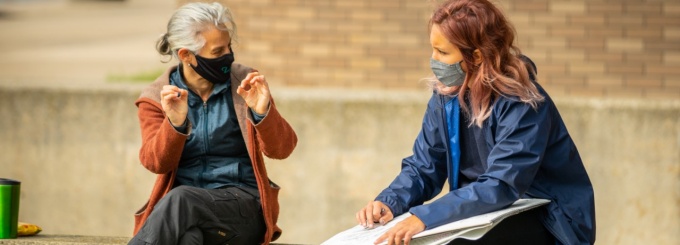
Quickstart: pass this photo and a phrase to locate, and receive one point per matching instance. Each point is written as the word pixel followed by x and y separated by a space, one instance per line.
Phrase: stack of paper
pixel 471 228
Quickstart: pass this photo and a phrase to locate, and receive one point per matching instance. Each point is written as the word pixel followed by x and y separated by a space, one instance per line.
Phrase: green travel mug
pixel 9 208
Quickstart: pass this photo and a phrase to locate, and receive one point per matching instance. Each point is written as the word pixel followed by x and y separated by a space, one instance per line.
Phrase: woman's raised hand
pixel 255 91
pixel 174 103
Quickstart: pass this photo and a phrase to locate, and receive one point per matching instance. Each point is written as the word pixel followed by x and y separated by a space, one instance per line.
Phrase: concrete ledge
pixel 69 239
pixel 75 150
pixel 64 239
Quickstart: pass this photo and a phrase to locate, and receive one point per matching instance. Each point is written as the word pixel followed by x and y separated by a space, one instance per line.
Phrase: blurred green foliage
pixel 140 77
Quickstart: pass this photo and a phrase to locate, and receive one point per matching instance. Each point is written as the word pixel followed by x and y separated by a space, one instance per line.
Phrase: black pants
pixel 191 215
pixel 524 228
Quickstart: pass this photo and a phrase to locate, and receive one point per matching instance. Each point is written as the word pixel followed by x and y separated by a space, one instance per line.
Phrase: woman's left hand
pixel 402 231
pixel 255 91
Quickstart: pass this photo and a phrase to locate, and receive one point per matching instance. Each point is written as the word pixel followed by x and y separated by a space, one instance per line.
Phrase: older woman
pixel 495 134
pixel 205 124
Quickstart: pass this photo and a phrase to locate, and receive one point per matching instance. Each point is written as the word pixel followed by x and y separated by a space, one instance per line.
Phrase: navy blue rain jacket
pixel 529 154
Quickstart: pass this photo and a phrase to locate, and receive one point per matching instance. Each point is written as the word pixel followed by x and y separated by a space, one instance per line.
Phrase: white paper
pixel 359 235
pixel 471 228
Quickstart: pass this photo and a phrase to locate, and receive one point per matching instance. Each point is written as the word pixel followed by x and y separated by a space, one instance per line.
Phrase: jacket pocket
pixel 273 192
pixel 233 205
pixel 139 217
pixel 273 208
pixel 141 210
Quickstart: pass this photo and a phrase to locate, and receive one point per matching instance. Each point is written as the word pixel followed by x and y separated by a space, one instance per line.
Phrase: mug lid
pixel 9 182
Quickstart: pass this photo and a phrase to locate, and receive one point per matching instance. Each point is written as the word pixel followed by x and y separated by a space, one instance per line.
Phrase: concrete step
pixel 70 239
pixel 64 239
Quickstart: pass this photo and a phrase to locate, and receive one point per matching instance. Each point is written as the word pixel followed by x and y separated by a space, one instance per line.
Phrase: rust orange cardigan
pixel 162 146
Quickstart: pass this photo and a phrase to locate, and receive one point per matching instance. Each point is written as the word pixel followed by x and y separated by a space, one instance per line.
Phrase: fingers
pixel 387 215
pixel 393 237
pixel 169 89
pixel 245 86
pixel 377 212
pixel 397 237
pixel 368 218
pixel 248 82
pixel 374 212
pixel 171 92
pixel 241 91
pixel 382 238
pixel 182 94
pixel 357 216
pixel 255 90
pixel 174 103
pixel 250 77
pixel 369 215
pixel 362 217
pixel 403 231
pixel 245 83
pixel 258 82
pixel 407 238
pixel 170 97
pixel 382 213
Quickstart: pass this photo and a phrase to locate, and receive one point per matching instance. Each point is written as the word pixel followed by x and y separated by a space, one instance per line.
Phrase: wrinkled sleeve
pixel 422 174
pixel 521 136
pixel 162 144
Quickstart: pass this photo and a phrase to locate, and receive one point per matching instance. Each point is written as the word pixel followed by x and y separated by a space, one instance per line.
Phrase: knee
pixel 181 194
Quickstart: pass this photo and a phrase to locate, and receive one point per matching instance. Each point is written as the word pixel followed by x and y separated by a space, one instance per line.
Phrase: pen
pixel 382 212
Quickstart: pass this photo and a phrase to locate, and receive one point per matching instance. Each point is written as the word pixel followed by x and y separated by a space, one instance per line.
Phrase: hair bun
pixel 163 46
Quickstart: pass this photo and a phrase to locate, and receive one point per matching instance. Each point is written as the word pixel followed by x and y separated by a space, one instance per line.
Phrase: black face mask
pixel 215 70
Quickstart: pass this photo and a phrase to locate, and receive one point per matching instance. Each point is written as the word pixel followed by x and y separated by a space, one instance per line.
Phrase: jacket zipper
pixel 205 141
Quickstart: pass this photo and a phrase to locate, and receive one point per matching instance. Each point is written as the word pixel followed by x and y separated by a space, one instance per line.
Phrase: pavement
pixel 79 43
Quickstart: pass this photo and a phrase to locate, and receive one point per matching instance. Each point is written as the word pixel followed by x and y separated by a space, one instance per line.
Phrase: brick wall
pixel 623 48
pixel 594 48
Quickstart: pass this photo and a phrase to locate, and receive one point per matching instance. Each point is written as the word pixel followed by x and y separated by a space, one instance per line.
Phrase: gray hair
pixel 187 23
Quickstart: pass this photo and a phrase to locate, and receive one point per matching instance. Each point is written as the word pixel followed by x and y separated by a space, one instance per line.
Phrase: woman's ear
pixel 478 57
pixel 185 56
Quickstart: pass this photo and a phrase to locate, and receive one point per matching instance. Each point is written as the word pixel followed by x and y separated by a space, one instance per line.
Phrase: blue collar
pixel 177 79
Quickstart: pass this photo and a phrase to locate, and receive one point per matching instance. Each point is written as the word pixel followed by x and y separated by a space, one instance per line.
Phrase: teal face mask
pixel 449 75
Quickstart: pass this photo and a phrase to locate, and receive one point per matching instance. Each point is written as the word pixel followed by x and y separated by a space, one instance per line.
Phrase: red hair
pixel 478 25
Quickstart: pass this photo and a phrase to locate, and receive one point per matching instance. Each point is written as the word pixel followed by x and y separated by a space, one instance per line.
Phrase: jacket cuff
pixel 256 118
pixel 394 206
pixel 267 123
pixel 184 130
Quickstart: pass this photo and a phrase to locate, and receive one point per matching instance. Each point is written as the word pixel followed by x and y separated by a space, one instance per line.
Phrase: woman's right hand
pixel 175 106
pixel 374 212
